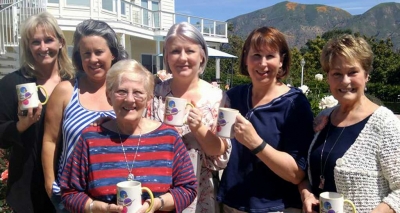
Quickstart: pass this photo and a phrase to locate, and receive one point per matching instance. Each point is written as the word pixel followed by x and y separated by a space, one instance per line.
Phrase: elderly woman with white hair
pixel 185 56
pixel 138 149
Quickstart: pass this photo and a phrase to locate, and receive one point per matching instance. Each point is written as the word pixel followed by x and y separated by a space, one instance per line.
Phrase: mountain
pixel 301 22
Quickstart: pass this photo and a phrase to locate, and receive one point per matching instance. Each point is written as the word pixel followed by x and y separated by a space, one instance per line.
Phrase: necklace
pixel 321 177
pixel 131 177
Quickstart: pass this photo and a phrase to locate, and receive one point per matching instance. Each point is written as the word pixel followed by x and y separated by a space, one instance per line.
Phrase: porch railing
pixel 135 15
pixel 12 16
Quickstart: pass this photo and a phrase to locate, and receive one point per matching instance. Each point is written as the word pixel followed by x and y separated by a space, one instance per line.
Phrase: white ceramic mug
pixel 129 195
pixel 28 95
pixel 332 202
pixel 226 120
pixel 175 110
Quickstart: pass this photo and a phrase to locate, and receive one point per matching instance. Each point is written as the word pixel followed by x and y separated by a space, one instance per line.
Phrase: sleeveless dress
pixel 75 119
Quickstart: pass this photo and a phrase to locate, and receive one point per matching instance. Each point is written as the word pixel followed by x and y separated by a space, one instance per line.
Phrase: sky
pixel 223 10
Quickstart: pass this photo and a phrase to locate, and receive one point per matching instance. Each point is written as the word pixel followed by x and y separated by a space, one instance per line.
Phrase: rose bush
pixel 3 180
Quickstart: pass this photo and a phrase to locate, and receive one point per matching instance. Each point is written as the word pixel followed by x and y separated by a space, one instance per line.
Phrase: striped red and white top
pixel 97 164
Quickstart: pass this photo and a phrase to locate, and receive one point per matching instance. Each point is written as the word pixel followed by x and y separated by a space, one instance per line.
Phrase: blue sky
pixel 223 10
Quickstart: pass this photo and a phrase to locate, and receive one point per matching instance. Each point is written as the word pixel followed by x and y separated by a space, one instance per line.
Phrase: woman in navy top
pixel 272 132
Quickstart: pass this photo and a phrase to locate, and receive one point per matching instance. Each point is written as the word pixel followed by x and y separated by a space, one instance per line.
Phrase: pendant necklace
pixel 322 177
pixel 131 177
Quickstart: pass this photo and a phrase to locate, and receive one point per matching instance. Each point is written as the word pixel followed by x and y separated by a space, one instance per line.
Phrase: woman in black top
pixel 45 62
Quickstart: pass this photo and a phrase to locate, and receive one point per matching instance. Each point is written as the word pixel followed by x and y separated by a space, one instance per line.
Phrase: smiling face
pixel 44 47
pixel 129 97
pixel 96 56
pixel 263 65
pixel 347 80
pixel 184 58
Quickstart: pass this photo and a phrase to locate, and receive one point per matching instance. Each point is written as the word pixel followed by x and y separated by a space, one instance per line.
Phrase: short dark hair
pixel 92 27
pixel 271 37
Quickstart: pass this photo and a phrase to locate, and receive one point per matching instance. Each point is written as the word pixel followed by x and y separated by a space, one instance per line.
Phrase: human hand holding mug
pixel 194 118
pixel 28 95
pixel 28 117
pixel 129 195
pixel 175 111
pixel 332 202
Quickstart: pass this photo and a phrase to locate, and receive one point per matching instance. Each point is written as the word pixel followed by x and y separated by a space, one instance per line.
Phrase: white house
pixel 141 25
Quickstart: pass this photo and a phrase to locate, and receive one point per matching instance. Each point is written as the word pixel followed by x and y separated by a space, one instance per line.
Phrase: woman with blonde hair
pixel 138 149
pixel 46 63
pixel 355 150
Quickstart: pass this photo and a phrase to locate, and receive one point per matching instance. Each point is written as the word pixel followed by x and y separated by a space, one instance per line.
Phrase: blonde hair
pixel 351 48
pixel 129 66
pixel 49 24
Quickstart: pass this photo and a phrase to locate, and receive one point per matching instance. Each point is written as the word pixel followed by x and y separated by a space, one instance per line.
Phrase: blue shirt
pixel 337 143
pixel 285 123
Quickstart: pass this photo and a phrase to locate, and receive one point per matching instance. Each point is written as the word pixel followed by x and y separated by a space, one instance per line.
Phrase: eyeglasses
pixel 137 95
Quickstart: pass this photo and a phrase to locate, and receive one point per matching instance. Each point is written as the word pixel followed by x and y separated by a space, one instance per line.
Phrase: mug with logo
pixel 175 111
pixel 28 95
pixel 129 195
pixel 332 202
pixel 226 120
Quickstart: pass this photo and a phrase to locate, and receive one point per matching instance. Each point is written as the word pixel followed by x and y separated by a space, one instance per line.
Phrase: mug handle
pixel 151 198
pixel 185 118
pixel 351 204
pixel 45 92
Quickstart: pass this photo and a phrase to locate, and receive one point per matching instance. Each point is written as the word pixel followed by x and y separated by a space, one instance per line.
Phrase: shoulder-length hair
pixel 186 31
pixel 92 27
pixel 267 37
pixel 46 21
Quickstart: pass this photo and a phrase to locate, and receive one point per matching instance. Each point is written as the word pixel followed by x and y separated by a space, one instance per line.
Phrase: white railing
pixel 11 18
pixel 135 15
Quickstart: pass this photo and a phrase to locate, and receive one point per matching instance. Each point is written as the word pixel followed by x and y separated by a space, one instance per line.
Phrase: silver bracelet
pixel 91 206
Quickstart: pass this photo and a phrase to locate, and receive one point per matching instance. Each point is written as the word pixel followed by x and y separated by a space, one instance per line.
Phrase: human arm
pixel 288 159
pixel 220 159
pixel 11 124
pixel 307 197
pixel 389 156
pixel 184 182
pixel 52 131
pixel 209 142
pixel 183 189
pixel 281 163
pixel 74 183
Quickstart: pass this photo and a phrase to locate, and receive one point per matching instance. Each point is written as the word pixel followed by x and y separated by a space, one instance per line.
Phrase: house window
pixel 123 8
pixel 150 62
pixel 69 49
pixel 155 6
pixel 85 3
pixel 54 1
pixel 108 5
pixel 149 17
pixel 147 61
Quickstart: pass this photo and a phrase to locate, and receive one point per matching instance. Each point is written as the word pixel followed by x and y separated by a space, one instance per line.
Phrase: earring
pixel 365 89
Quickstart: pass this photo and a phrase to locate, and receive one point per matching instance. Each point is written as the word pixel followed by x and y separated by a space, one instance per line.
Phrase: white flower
pixel 327 102
pixel 163 75
pixel 304 89
pixel 319 77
